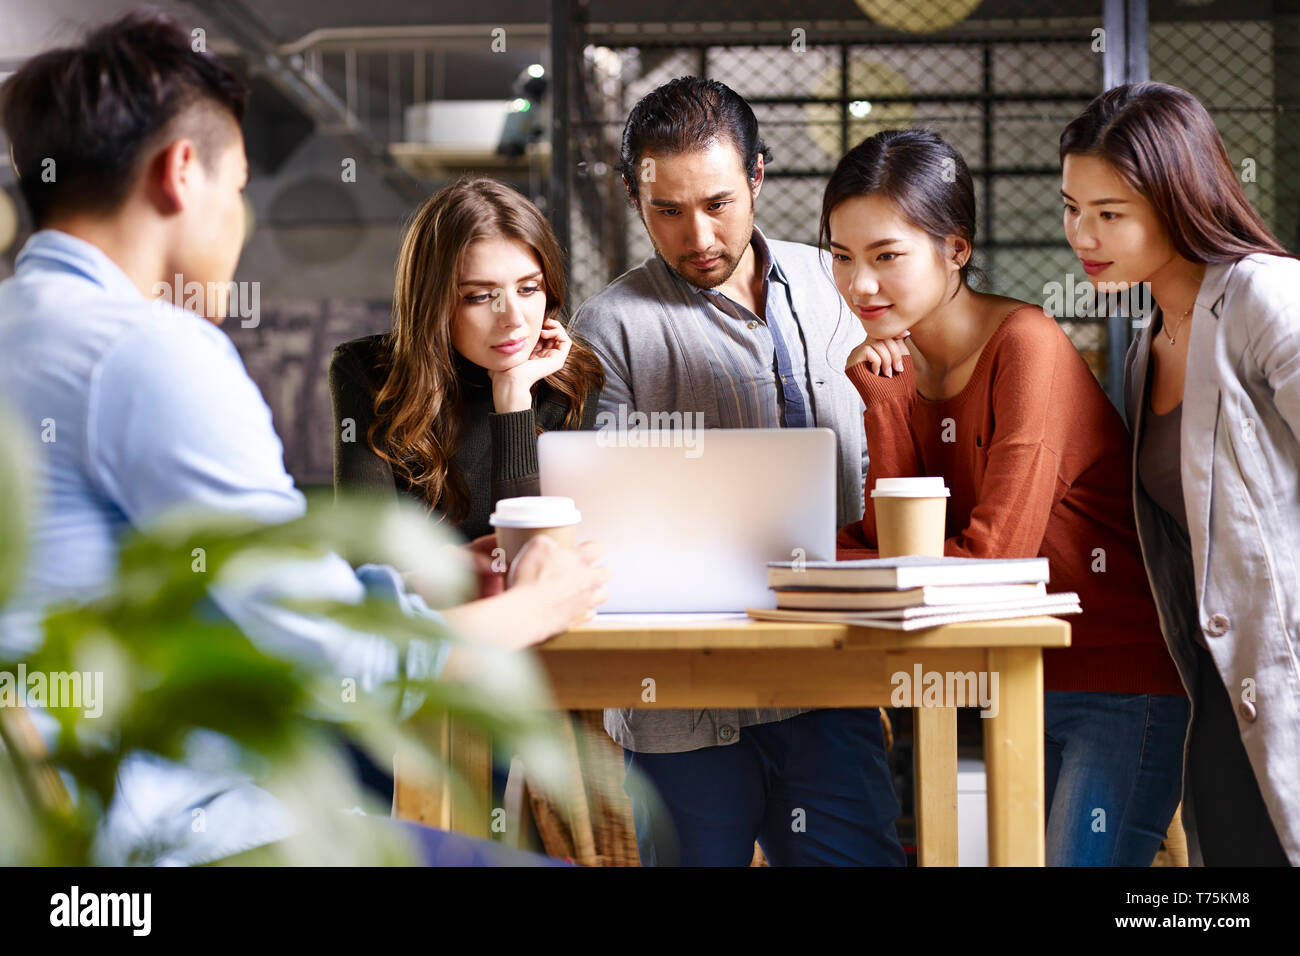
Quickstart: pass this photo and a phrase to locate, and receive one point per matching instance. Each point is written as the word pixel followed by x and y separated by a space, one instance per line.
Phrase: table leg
pixel 934 764
pixel 471 755
pixel 436 803
pixel 1013 759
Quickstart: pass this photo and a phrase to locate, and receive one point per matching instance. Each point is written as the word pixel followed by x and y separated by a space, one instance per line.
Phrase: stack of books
pixel 911 593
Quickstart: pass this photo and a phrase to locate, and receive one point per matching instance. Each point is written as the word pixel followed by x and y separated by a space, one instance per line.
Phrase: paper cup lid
pixel 538 511
pixel 927 487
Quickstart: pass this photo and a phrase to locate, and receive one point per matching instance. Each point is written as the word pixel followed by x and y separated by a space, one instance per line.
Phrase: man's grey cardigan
pixel 644 326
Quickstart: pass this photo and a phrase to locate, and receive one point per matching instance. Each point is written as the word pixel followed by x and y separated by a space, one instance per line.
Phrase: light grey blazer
pixel 1241 483
pixel 657 358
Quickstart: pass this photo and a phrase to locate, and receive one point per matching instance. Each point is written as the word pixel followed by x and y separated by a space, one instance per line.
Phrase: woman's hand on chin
pixel 883 356
pixel 512 388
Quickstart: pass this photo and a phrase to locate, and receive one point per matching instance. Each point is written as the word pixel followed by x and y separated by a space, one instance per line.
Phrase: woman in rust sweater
pixel 989 393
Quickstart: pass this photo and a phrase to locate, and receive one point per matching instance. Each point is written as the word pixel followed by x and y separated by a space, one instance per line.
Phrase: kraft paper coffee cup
pixel 910 515
pixel 518 520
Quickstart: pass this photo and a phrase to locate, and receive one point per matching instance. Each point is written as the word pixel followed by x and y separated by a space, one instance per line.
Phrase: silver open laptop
pixel 689 518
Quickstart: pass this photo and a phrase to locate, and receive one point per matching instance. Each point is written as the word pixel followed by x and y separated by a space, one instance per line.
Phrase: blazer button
pixel 726 732
pixel 1217 625
pixel 1247 710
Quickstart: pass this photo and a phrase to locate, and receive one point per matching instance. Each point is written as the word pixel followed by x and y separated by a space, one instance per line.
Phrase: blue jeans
pixel 812 790
pixel 1114 775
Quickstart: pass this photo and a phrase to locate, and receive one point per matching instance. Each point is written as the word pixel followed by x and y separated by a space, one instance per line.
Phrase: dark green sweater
pixel 497 454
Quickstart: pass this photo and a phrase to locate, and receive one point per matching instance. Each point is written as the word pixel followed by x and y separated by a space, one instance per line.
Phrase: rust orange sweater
pixel 1039 464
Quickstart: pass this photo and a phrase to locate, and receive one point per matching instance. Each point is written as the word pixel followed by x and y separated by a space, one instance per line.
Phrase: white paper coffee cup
pixel 519 520
pixel 910 516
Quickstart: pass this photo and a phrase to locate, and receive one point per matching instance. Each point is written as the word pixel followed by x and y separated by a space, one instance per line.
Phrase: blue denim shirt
pixel 136 407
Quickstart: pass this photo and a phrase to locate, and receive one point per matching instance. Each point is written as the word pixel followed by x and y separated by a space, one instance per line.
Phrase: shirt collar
pixel 767 262
pixel 50 246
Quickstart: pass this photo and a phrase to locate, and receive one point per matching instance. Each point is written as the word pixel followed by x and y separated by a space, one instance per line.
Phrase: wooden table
pixel 738 662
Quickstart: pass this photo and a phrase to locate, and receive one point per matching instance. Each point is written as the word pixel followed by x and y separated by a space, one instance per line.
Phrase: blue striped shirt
pixel 759 366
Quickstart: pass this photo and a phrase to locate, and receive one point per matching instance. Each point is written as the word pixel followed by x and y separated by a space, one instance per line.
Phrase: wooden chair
pixel 598 829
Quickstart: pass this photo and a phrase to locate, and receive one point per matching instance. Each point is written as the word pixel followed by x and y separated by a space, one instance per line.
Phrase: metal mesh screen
pixel 1247 73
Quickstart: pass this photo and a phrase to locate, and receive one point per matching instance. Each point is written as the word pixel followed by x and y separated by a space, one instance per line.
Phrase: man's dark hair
pixel 687 114
pixel 96 109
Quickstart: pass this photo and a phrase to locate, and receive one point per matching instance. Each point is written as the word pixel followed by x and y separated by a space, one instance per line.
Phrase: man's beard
pixel 719 273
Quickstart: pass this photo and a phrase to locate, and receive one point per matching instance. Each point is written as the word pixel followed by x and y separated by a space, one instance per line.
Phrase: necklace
pixel 1178 328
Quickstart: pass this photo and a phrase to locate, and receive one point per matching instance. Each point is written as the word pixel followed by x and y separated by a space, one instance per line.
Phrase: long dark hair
pixel 918 171
pixel 1161 140
pixel 418 408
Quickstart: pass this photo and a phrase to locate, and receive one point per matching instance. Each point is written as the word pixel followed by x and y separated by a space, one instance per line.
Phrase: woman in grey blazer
pixel 1212 388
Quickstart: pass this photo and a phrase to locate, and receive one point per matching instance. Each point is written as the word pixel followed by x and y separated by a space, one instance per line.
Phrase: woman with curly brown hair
pixel 447 406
